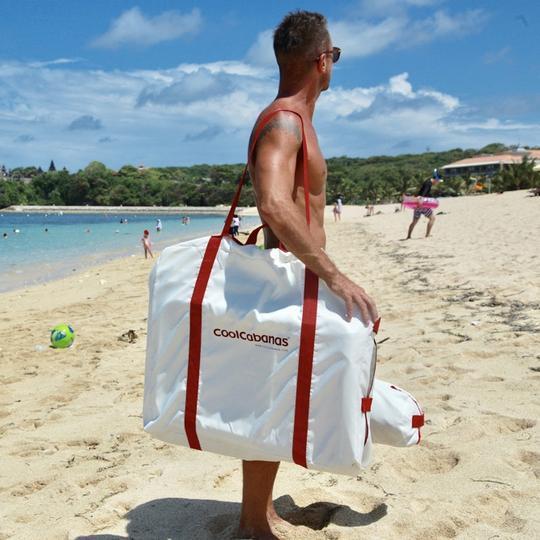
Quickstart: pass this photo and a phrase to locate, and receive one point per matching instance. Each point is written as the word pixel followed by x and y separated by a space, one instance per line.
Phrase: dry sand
pixel 461 311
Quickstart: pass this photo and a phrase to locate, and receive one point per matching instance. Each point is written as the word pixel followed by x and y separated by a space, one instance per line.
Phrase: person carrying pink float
pixel 423 204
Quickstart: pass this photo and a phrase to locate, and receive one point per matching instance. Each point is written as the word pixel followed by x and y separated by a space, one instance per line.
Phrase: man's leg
pixel 411 227
pixel 258 515
pixel 430 224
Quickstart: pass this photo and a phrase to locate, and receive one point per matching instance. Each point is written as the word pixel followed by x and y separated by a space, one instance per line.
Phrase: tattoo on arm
pixel 286 124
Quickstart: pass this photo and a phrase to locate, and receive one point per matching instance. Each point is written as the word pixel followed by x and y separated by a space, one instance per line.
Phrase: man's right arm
pixel 275 166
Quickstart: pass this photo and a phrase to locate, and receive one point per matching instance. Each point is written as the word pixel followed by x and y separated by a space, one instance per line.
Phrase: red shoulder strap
pixel 256 135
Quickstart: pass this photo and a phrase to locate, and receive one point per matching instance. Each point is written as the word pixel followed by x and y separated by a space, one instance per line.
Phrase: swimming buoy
pixel 419 202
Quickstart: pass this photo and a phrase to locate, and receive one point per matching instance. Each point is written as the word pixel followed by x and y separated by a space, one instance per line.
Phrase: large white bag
pixel 396 417
pixel 249 355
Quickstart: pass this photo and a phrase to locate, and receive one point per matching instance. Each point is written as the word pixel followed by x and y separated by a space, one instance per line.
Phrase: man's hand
pixel 353 296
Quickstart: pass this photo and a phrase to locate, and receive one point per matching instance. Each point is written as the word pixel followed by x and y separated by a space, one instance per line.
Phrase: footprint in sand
pixel 222 478
pixel 533 460
pixel 490 425
pixel 29 488
pixel 428 459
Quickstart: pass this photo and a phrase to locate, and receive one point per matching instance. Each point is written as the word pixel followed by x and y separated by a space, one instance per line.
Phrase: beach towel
pixel 249 354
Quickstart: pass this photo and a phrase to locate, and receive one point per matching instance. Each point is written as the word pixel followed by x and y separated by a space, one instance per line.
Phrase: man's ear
pixel 322 64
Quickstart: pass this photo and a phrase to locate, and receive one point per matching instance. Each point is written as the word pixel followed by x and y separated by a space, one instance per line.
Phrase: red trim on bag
pixel 417 420
pixel 305 368
pixel 195 324
pixel 376 325
pixel 366 404
pixel 421 415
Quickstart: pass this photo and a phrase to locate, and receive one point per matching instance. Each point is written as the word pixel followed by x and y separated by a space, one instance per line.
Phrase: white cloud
pixel 360 38
pixel 262 51
pixel 133 27
pixel 213 125
pixel 57 62
pixel 391 7
pixel 85 122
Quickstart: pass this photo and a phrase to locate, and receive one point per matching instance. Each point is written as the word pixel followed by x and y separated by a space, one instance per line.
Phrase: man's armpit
pixel 285 124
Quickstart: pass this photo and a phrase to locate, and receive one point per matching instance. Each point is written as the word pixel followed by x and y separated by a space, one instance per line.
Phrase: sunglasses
pixel 335 52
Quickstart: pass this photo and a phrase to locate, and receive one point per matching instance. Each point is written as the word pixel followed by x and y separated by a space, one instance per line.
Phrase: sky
pixel 171 83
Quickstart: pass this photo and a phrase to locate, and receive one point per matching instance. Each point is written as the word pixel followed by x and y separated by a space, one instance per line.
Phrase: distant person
pixel 235 225
pixel 159 226
pixel 425 191
pixel 5 235
pixel 338 208
pixel 147 244
pixel 46 230
pixel 370 210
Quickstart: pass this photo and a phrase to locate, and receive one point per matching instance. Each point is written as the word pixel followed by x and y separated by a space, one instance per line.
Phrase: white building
pixel 489 165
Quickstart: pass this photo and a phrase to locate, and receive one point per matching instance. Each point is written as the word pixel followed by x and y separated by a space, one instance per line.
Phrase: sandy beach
pixel 461 320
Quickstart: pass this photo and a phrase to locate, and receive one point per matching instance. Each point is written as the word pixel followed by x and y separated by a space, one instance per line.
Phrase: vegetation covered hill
pixel 359 180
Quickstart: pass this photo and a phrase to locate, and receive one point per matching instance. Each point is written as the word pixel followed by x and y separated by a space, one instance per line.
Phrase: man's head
pixel 302 43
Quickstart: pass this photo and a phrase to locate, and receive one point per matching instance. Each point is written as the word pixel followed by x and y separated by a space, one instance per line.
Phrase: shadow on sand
pixel 196 519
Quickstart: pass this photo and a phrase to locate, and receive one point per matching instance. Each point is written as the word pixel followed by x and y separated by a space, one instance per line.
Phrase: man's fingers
pixel 360 302
pixel 349 307
pixel 372 308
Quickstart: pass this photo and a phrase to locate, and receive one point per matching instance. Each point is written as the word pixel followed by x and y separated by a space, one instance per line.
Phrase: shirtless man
pixel 305 56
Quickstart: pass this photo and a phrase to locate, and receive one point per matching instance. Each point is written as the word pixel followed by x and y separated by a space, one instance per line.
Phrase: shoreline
pixel 94 263
pixel 44 209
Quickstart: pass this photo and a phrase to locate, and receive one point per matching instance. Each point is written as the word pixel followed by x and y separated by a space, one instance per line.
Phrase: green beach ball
pixel 62 336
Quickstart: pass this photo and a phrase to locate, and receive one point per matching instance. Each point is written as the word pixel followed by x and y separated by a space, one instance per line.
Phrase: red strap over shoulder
pixel 260 126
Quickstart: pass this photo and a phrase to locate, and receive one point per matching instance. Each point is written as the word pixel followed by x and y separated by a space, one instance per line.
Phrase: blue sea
pixel 49 246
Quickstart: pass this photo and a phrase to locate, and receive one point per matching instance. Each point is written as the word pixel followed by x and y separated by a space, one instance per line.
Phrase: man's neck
pixel 303 95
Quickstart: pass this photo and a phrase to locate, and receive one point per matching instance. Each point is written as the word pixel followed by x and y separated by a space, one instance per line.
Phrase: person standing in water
pixel 147 244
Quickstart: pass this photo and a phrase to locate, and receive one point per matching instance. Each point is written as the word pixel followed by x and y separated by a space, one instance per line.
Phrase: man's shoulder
pixel 277 124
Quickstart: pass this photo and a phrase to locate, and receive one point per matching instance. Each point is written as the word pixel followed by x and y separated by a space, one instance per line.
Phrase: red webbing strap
pixel 305 368
pixel 256 135
pixel 307 335
pixel 194 358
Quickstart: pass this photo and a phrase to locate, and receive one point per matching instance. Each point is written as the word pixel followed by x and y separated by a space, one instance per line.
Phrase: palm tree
pixel 519 175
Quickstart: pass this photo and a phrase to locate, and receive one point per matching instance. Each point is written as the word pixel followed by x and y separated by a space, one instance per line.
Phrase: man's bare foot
pixel 272 528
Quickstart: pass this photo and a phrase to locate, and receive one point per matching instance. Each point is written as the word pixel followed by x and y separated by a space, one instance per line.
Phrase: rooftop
pixel 506 158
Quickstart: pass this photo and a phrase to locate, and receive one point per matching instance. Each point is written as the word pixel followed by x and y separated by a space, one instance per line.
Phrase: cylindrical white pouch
pixel 396 417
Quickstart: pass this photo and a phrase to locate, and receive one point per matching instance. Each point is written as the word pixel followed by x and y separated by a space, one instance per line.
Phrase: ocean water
pixel 78 241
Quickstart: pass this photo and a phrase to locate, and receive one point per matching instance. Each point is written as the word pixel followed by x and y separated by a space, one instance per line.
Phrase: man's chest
pixel 317 170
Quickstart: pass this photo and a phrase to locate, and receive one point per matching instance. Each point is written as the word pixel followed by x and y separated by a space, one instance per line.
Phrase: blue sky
pixel 176 83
